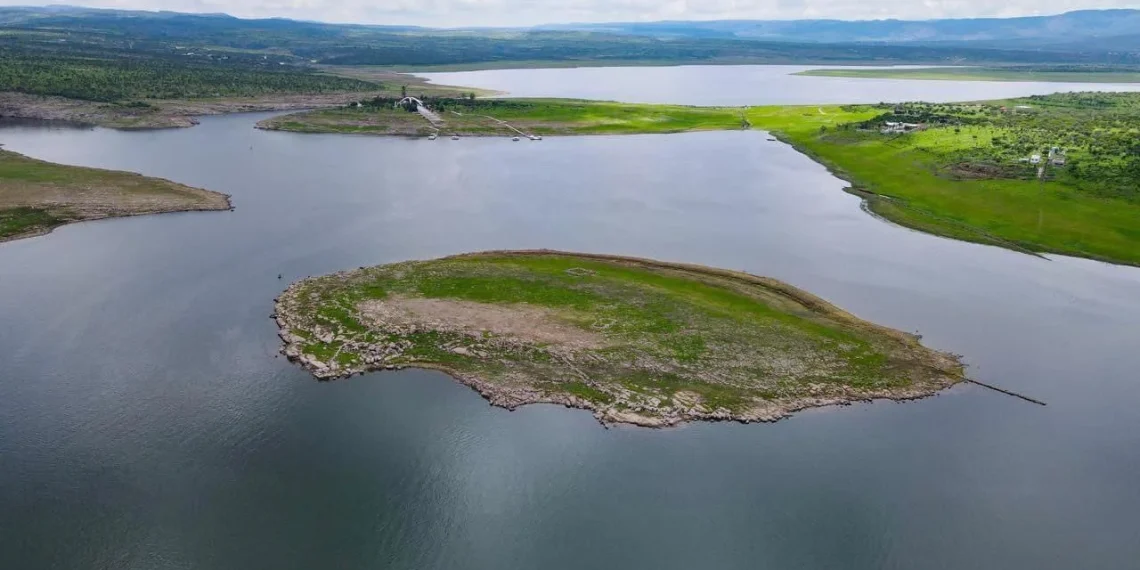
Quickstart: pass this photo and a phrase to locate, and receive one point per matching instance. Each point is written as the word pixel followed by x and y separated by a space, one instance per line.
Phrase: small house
pixel 1035 159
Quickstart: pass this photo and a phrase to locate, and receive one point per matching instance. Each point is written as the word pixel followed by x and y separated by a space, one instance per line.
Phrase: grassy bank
pixel 37 196
pixel 635 340
pixel 1045 74
pixel 966 178
pixel 965 173
pixel 486 117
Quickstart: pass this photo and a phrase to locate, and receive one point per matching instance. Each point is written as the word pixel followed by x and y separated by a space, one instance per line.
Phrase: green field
pixel 635 340
pixel 1056 74
pixel 965 179
pixel 481 117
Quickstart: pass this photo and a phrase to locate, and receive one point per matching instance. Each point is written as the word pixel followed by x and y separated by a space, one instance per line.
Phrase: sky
pixel 530 12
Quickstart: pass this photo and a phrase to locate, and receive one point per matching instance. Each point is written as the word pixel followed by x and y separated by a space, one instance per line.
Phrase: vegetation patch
pixel 1052 173
pixel 470 116
pixel 20 221
pixel 635 340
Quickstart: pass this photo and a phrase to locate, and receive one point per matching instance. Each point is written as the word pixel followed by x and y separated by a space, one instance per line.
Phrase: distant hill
pixel 1105 37
pixel 1036 30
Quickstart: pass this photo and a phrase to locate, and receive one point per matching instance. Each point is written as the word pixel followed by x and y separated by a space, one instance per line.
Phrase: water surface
pixel 147 422
pixel 738 85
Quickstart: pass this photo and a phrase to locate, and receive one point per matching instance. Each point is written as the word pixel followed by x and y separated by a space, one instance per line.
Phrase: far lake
pixel 737 85
pixel 147 422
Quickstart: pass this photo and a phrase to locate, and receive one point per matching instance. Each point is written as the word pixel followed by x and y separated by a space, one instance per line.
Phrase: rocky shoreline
pixel 625 407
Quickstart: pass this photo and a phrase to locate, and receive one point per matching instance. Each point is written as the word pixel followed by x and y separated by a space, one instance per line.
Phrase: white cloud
pixel 526 12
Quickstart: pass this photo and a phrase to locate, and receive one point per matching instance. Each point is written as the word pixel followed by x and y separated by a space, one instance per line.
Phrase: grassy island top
pixel 1043 174
pixel 37 196
pixel 635 340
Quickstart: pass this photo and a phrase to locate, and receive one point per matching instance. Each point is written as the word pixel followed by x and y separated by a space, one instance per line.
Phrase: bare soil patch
pixel 524 323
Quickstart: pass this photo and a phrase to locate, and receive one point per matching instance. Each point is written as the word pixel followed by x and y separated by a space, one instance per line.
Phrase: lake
pixel 739 85
pixel 146 420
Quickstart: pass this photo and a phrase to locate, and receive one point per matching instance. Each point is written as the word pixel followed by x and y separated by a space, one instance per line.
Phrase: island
pixel 38 196
pixel 634 340
pixel 1043 174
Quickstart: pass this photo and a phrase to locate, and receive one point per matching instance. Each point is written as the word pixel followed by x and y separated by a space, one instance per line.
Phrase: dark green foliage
pixel 124 79
pixel 15 221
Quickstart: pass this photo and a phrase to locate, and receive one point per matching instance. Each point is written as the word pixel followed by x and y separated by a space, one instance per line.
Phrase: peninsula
pixel 38 196
pixel 1042 174
pixel 636 341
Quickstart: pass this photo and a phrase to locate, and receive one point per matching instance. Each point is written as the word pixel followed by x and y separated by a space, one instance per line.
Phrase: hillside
pixel 218 39
pixel 1037 31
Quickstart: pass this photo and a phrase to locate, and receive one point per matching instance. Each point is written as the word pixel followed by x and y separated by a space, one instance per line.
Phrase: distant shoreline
pixel 997 74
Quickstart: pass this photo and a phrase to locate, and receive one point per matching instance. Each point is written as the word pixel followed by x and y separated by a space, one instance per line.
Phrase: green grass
pixel 983 74
pixel 36 196
pixel 19 221
pixel 662 341
pixel 532 116
pixel 1054 216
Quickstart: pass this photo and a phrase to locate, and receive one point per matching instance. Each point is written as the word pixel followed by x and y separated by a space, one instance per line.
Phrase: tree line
pixel 119 80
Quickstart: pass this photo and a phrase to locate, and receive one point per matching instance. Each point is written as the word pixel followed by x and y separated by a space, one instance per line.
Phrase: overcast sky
pixel 528 12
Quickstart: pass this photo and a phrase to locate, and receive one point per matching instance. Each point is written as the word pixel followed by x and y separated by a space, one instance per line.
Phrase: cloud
pixel 527 12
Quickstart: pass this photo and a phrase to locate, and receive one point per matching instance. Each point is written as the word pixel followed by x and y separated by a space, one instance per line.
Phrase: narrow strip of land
pixel 38 196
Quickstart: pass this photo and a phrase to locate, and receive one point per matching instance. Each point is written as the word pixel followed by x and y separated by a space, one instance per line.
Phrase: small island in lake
pixel 636 341
pixel 37 196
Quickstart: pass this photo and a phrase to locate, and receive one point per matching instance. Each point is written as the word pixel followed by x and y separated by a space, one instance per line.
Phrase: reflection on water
pixel 147 422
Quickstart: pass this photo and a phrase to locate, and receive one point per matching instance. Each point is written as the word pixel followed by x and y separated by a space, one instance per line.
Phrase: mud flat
pixel 634 340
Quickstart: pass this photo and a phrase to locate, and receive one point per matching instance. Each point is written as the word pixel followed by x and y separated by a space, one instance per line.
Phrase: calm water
pixel 146 421
pixel 742 85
